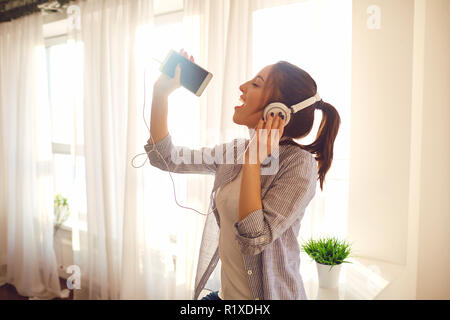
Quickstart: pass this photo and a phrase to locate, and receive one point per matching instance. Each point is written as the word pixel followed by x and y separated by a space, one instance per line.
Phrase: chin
pixel 234 119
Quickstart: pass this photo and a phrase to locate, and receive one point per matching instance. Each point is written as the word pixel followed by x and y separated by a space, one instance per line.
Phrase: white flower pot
pixel 328 278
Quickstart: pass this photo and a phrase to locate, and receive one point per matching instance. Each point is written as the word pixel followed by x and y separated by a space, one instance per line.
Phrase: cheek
pixel 255 109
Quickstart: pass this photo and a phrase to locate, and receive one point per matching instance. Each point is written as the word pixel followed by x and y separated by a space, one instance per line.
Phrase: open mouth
pixel 241 99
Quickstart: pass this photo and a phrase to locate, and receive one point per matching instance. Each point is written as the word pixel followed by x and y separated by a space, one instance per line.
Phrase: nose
pixel 241 87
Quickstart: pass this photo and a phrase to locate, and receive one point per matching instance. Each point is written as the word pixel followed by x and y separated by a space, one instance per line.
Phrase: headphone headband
pixel 306 103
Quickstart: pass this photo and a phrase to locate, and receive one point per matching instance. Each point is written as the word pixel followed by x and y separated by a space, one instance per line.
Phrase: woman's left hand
pixel 268 135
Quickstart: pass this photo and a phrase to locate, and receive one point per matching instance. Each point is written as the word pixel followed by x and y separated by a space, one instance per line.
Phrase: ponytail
pixel 322 147
pixel 289 85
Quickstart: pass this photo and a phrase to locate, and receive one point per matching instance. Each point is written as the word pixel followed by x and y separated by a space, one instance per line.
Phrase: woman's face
pixel 254 92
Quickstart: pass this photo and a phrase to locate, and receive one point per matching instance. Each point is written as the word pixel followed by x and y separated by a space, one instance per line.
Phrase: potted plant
pixel 61 211
pixel 329 253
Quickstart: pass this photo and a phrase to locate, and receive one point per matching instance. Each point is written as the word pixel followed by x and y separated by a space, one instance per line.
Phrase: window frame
pixel 55 33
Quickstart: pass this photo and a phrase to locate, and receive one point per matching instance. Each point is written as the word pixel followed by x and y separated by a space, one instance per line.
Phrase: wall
pixel 433 276
pixel 380 130
pixel 399 206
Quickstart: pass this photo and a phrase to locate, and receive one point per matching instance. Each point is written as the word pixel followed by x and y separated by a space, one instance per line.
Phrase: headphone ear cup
pixel 277 107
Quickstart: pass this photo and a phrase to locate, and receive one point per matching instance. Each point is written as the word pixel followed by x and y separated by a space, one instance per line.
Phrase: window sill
pixel 363 279
pixel 69 225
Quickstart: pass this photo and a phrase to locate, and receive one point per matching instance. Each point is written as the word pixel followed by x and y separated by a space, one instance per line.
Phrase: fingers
pixel 276 126
pixel 258 128
pixel 274 123
pixel 268 125
pixel 260 124
pixel 281 127
pixel 185 54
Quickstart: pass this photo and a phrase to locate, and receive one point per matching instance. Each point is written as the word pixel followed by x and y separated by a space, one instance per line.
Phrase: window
pixel 322 47
pixel 169 34
pixel 64 83
pixel 164 7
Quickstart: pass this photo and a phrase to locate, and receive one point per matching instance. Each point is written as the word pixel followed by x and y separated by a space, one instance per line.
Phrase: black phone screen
pixel 192 75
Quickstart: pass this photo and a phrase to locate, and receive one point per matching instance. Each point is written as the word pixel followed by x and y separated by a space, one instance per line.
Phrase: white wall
pixel 380 130
pixel 433 273
pixel 399 207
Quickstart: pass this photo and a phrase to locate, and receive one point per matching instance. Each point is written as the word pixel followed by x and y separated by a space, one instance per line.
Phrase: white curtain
pixel 127 246
pixel 27 258
pixel 109 248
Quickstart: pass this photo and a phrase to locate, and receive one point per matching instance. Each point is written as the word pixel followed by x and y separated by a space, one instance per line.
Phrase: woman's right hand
pixel 165 85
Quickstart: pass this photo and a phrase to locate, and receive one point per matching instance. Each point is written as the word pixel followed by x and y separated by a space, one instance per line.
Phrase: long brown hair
pixel 290 85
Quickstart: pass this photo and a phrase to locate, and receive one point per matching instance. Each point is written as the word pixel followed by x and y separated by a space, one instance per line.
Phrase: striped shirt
pixel 267 237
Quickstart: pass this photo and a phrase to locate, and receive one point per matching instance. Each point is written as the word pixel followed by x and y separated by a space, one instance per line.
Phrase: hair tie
pixel 319 105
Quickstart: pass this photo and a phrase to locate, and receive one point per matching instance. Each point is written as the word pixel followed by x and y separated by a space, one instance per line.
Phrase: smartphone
pixel 192 77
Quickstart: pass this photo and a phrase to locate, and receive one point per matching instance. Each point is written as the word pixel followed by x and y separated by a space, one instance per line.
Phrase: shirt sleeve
pixel 183 159
pixel 283 203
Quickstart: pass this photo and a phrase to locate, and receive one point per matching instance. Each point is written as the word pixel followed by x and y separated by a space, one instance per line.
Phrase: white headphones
pixel 277 107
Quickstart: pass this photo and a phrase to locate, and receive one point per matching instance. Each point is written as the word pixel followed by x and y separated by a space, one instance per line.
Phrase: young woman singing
pixel 256 216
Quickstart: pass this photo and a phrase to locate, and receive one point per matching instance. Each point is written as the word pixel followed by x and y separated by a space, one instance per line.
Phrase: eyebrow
pixel 260 77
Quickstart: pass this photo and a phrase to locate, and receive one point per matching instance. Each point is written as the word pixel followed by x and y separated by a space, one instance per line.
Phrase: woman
pixel 257 215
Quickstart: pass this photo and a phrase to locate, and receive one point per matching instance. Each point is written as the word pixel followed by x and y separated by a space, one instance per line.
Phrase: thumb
pixel 177 74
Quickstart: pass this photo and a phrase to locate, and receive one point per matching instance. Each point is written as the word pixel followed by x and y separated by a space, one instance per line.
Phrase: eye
pixel 254 84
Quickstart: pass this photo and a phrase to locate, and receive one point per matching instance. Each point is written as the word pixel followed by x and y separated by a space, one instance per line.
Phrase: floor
pixel 9 292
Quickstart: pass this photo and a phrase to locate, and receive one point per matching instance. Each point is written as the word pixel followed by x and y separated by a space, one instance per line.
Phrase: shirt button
pixel 249 272
pixel 262 239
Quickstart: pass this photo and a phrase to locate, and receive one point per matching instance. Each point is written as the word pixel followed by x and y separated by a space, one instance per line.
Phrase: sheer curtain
pixel 127 246
pixel 27 258
pixel 110 250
